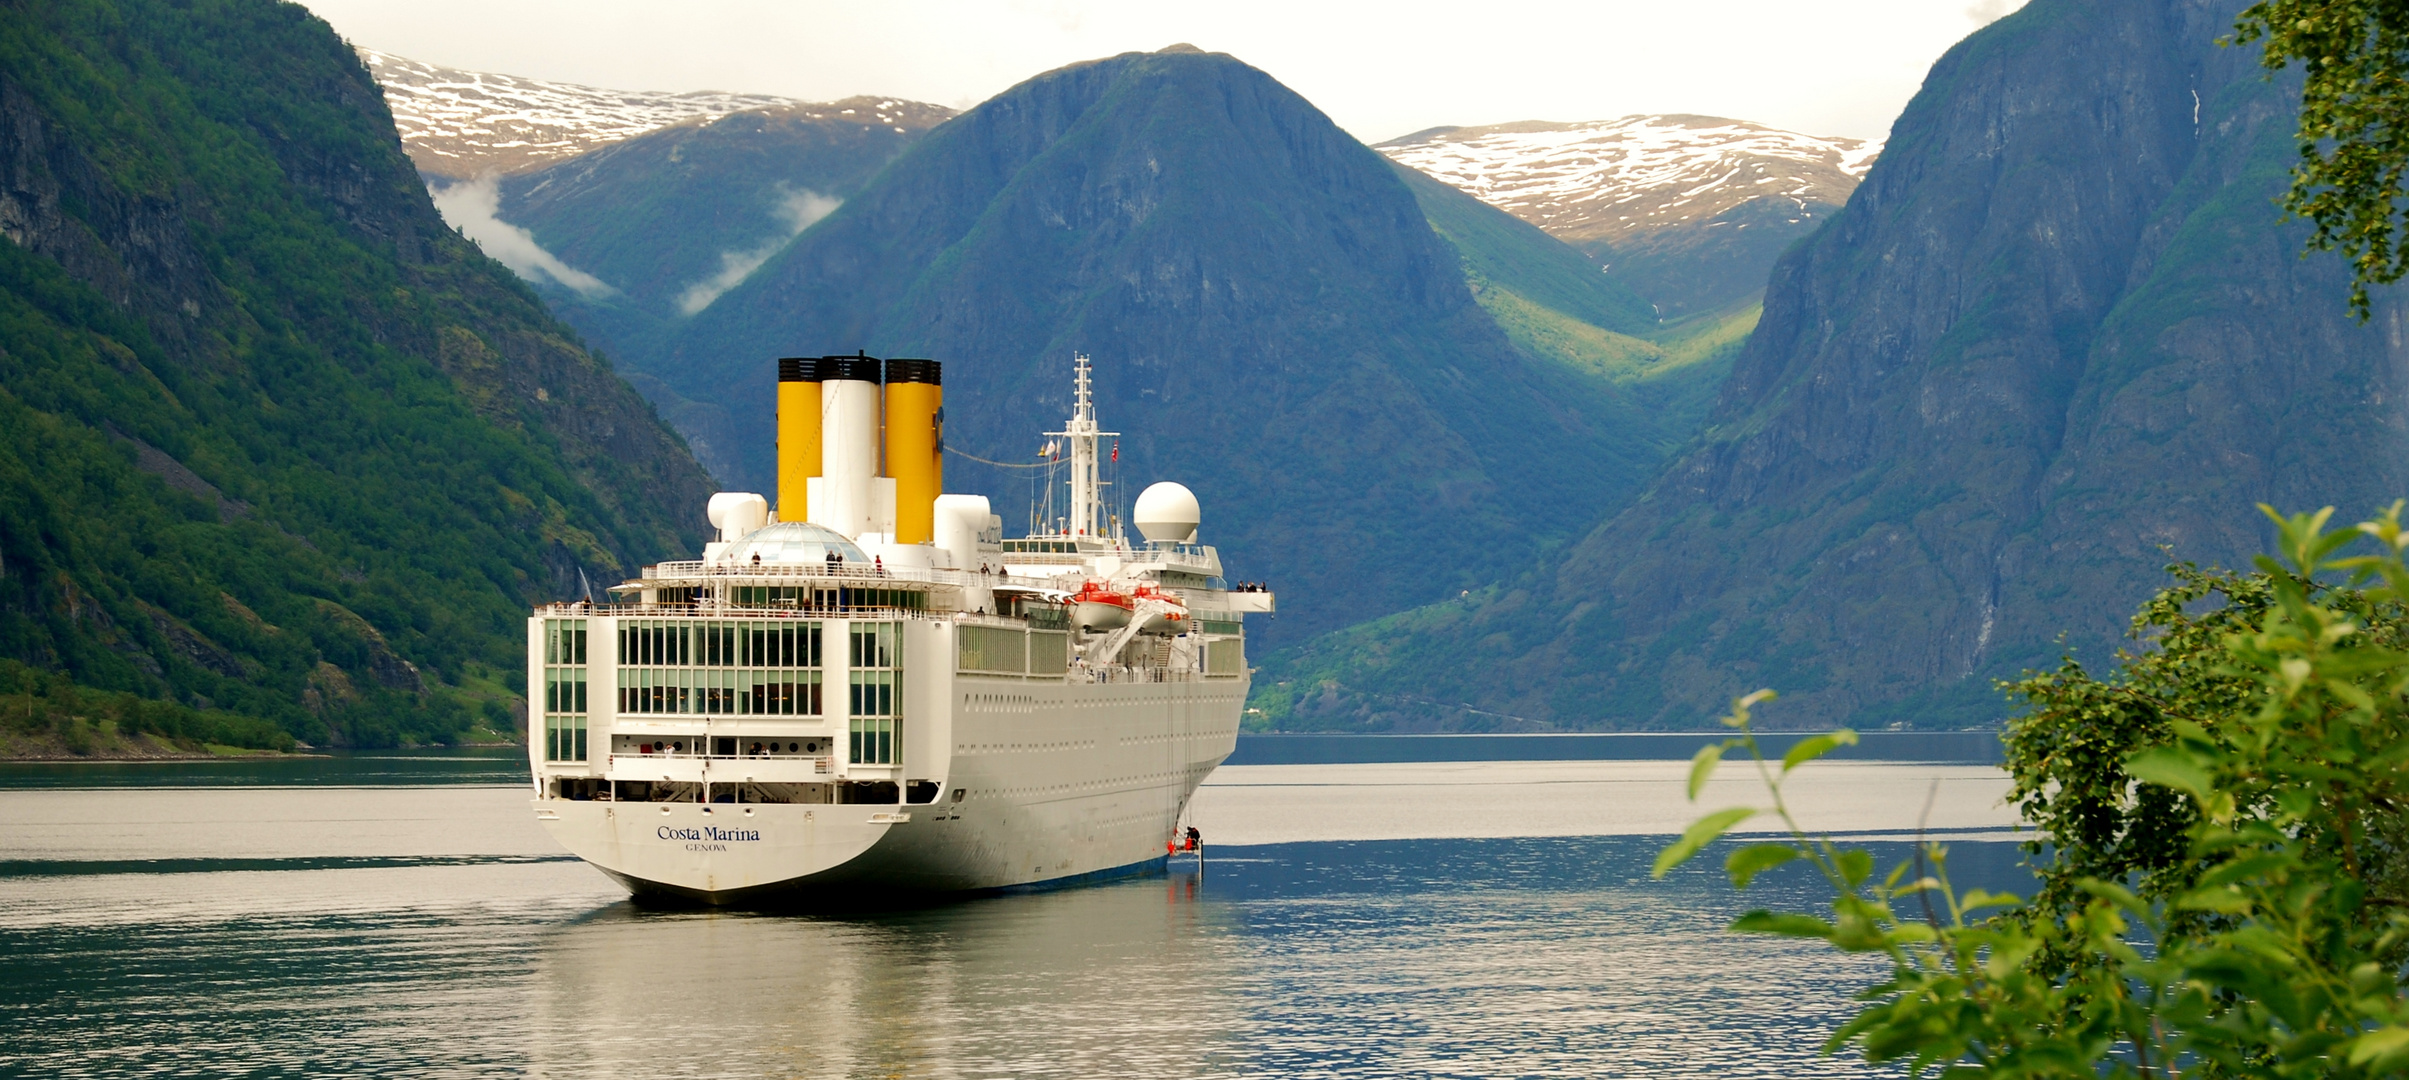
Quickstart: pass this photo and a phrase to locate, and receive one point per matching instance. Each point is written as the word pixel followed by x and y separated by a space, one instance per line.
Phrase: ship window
pixel 564 690
pixel 564 641
pixel 719 667
pixel 876 655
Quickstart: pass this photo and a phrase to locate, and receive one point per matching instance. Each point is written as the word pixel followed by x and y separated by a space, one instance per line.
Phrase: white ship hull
pixel 793 717
pixel 1057 782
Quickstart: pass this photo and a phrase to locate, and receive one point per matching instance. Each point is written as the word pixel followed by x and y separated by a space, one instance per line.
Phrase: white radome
pixel 736 513
pixel 1167 513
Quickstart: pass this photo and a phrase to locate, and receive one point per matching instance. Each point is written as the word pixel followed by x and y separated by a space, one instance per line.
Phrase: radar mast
pixel 1087 502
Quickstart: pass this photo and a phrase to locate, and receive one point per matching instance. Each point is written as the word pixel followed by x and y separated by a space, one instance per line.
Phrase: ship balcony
pixel 701 768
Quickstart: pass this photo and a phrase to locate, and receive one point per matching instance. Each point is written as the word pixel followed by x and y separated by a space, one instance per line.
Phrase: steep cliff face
pixel 2058 327
pixel 1273 318
pixel 272 437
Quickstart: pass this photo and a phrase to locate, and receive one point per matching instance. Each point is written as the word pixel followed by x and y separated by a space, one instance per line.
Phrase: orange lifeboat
pixel 1097 606
pixel 1168 616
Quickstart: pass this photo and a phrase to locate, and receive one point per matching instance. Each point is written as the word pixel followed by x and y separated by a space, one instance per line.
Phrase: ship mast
pixel 1087 503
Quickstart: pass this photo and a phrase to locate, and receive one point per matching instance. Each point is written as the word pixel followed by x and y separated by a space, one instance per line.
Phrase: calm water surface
pixel 1409 918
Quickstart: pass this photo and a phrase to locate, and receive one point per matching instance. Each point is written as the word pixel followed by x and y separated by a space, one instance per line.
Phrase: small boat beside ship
pixel 863 686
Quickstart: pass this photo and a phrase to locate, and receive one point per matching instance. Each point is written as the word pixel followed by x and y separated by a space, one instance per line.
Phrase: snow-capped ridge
pixel 459 123
pixel 1609 181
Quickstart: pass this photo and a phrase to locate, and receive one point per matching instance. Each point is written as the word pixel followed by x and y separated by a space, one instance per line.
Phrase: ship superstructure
pixel 868 687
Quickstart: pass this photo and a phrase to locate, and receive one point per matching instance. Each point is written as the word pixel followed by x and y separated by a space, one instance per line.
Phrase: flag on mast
pixel 1116 449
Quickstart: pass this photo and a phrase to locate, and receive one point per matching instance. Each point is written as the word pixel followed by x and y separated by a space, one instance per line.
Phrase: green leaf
pixel 2245 868
pixel 1983 898
pixel 2382 1042
pixel 1809 749
pixel 2168 767
pixel 1855 866
pixel 1703 766
pixel 2009 955
pixel 1745 864
pixel 2222 900
pixel 1766 922
pixel 1701 833
pixel 2115 894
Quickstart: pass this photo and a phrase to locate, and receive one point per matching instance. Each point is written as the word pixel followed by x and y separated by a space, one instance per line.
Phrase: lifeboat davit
pixel 1098 607
pixel 1169 615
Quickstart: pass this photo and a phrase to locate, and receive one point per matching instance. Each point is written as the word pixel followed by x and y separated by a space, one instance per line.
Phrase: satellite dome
pixel 735 513
pixel 1166 513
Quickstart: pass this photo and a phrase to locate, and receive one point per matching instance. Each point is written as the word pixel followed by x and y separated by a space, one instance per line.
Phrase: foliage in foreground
pixel 2219 841
pixel 2354 126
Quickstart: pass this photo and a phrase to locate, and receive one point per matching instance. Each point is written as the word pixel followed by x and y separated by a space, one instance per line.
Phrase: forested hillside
pixel 2057 336
pixel 273 439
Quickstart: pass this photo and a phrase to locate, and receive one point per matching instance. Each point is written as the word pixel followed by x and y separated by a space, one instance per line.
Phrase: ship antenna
pixel 1087 504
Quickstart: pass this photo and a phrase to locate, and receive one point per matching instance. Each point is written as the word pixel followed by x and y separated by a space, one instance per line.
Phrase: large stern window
pixel 719 668
pixel 876 656
pixel 564 690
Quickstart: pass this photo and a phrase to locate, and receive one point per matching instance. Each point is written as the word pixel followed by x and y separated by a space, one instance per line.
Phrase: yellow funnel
pixel 915 446
pixel 798 435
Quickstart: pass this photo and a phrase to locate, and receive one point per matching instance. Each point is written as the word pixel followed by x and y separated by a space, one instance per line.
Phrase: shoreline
pixel 146 750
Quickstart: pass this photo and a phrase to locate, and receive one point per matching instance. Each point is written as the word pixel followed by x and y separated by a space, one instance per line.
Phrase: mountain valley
pixel 1666 204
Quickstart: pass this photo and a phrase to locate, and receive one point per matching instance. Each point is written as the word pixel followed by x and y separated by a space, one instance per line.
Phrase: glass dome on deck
pixel 793 543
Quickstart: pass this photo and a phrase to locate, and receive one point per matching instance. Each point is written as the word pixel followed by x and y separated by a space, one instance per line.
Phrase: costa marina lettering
pixel 708 832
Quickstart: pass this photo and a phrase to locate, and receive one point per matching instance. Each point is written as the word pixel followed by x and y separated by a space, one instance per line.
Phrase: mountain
pixel 460 125
pixel 627 211
pixel 2056 337
pixel 1275 321
pixel 666 221
pixel 274 440
pixel 1687 211
pixel 671 218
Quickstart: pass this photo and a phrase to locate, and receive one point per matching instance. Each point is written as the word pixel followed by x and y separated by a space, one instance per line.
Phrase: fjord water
pixel 1474 918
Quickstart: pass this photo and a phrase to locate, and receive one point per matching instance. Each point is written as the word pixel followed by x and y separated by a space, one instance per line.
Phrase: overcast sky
pixel 1825 67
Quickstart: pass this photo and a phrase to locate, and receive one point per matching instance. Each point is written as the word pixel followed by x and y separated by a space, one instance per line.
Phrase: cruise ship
pixel 865 688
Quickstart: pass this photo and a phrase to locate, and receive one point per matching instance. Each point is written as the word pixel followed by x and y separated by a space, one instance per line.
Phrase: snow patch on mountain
pixel 1615 180
pixel 465 124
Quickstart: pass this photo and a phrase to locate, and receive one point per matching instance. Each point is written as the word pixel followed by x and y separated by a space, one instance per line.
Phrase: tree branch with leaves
pixel 2354 126
pixel 2218 836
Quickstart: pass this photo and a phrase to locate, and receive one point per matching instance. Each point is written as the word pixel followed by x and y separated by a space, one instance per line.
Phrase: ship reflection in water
pixel 1125 980
pixel 423 932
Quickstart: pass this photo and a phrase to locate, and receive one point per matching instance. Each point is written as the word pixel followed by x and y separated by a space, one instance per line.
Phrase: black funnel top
pixel 855 368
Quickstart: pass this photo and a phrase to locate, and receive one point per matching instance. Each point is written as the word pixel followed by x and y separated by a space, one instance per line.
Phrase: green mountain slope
pixel 1554 305
pixel 1275 322
pixel 2057 333
pixel 273 439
